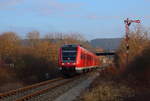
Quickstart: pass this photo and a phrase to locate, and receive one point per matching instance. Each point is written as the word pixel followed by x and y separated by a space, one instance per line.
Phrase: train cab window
pixel 69 53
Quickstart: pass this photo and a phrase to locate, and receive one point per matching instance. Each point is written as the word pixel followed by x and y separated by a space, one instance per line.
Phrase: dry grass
pixel 10 86
pixel 8 80
pixel 106 92
pixel 106 88
pixel 5 75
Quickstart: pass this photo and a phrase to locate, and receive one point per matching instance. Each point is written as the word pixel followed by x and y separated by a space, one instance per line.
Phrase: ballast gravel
pixel 69 91
pixel 73 93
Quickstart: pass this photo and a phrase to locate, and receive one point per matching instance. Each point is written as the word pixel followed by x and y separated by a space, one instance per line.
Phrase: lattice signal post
pixel 127 24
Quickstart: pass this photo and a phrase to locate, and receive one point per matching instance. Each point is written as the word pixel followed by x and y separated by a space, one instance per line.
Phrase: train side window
pixel 90 59
pixel 82 56
pixel 85 57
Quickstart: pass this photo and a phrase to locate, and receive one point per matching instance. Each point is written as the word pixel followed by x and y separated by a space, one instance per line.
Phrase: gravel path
pixel 73 93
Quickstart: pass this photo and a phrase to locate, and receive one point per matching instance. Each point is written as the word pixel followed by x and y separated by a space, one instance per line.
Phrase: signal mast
pixel 127 24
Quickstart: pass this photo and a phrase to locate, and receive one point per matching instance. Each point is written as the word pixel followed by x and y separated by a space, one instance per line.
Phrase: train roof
pixel 70 45
pixel 76 45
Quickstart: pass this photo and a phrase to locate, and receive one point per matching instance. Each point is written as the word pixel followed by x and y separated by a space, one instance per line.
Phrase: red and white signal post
pixel 127 24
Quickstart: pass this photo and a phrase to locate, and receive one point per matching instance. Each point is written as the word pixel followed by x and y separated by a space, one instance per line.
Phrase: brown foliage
pixel 140 66
pixel 33 57
pixel 9 43
pixel 138 41
pixel 138 69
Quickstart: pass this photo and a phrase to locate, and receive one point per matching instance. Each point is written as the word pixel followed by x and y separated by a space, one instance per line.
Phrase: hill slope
pixel 107 44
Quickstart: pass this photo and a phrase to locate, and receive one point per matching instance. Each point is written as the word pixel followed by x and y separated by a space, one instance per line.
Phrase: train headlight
pixel 62 63
pixel 74 63
pixel 60 68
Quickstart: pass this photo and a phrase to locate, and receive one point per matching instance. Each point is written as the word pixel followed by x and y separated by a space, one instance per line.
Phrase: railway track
pixel 33 91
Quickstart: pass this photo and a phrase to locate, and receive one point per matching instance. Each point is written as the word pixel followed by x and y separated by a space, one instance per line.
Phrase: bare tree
pixel 34 37
pixel 138 41
pixel 9 43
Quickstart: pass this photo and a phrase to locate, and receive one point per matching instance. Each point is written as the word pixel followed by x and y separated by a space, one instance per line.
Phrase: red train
pixel 76 59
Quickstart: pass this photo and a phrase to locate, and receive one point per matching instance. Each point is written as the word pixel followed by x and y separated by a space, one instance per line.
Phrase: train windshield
pixel 69 53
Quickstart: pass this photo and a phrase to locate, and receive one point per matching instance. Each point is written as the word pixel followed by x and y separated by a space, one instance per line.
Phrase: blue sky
pixel 91 18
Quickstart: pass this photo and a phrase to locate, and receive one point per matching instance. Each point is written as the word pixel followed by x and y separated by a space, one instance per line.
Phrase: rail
pixel 25 90
pixel 40 92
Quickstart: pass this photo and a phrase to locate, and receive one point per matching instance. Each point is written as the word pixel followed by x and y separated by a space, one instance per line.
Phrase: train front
pixel 67 59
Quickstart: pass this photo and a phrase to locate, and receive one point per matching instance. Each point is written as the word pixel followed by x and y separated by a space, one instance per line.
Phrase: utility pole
pixel 127 24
